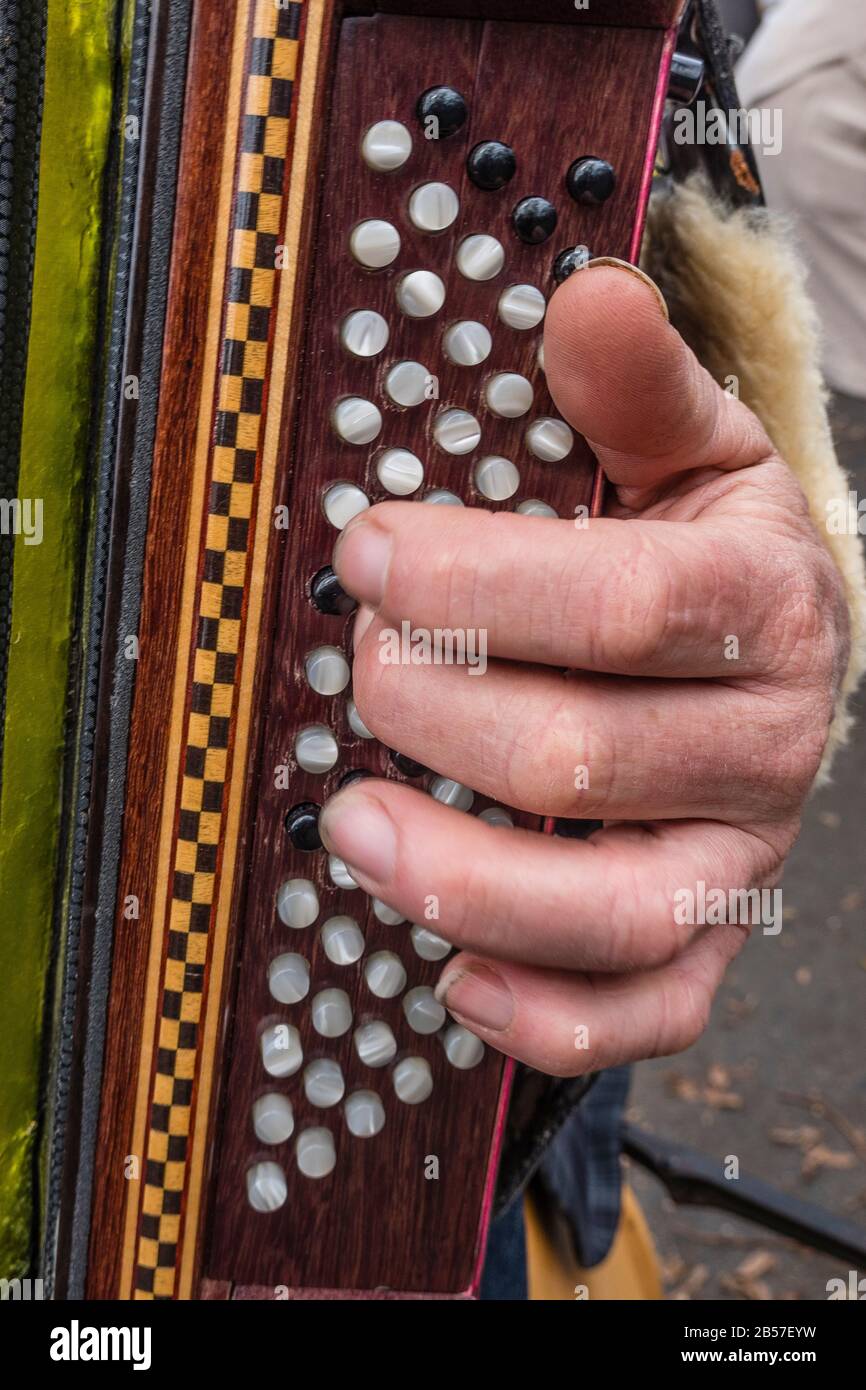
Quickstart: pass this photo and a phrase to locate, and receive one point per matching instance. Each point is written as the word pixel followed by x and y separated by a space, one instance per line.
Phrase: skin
pixel 698 764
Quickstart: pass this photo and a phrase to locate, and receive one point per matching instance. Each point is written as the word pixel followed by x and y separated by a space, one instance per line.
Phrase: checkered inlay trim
pixel 250 295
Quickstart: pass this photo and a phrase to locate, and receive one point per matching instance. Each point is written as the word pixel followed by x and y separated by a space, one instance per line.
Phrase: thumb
pixel 625 379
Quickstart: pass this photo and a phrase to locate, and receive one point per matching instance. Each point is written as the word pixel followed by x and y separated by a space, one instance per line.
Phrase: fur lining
pixel 735 288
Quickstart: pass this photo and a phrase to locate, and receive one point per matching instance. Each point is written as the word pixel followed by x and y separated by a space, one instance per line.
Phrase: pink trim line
pixel 490 1181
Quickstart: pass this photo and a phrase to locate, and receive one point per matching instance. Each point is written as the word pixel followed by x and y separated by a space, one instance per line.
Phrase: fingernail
pixel 357 828
pixel 363 619
pixel 635 270
pixel 479 996
pixel 361 557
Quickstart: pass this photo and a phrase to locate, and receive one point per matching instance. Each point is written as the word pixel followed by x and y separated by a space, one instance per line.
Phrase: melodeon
pixel 338 226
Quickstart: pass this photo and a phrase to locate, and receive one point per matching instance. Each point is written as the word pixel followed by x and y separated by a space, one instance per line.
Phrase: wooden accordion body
pixel 205 889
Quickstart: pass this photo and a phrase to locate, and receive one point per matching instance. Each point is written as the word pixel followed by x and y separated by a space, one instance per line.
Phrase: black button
pixel 302 824
pixel 328 594
pixel 576 829
pixel 407 766
pixel 534 220
pixel 590 181
pixel 568 261
pixel 491 165
pixel 448 109
pixel 356 775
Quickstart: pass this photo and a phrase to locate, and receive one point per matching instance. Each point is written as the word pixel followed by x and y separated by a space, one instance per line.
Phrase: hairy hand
pixel 704 630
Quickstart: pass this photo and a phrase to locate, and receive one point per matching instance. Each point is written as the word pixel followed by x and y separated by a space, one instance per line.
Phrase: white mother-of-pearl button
pixel 323 1083
pixel 364 333
pixel 386 146
pixel 332 1013
pixel 549 440
pixel 316 749
pixel 356 723
pixel 315 1153
pixel 540 356
pixel 343 940
pixel 452 793
pixel 399 471
pixel 424 1013
pixel 375 1044
pixel 480 257
pixel 433 207
pixel 375 243
pixel 467 343
pixel 385 974
pixel 522 306
pixel 496 478
pixel 327 671
pixel 289 978
pixel 508 394
pixel 441 497
pixel 428 945
pixel 389 915
pixel 273 1118
pixel 420 294
pixel 532 507
pixel 340 875
pixel 282 1054
pixel 266 1186
pixel 356 420
pixel 495 815
pixel 413 1080
pixel 297 903
pixel 462 1048
pixel 365 1114
pixel 406 383
pixel 342 502
pixel 457 432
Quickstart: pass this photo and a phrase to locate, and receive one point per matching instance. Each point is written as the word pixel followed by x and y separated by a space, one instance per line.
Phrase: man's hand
pixel 698 763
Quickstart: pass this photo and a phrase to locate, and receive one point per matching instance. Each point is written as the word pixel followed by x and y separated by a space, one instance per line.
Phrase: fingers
pixel 656 598
pixel 570 1024
pixel 605 904
pixel 623 377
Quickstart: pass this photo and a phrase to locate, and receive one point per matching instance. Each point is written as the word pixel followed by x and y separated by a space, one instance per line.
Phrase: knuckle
pixel 634 612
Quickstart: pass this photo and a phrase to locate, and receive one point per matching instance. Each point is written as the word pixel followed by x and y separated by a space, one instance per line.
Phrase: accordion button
pixel 508 394
pixel 480 257
pixel 315 1153
pixel 428 945
pixel 298 903
pixel 522 306
pixel 386 146
pixel 408 766
pixel 289 978
pixel 462 1048
pixel 407 382
pixel 385 975
pixel 340 876
pixel 442 110
pixel 568 261
pixel 282 1054
pixel 364 333
pixel 420 294
pixel 302 826
pixel 374 243
pixel 590 181
pixel 343 940
pixel 532 507
pixel 266 1186
pixel 452 793
pixel 534 220
pixel 457 432
pixel 441 497
pixel 316 749
pixel 495 815
pixel 549 440
pixel 328 594
pixel 327 671
pixel 539 356
pixel 433 207
pixel 356 723
pixel 273 1118
pixel 365 1114
pixel 413 1080
pixel 356 421
pixel 424 1013
pixel 491 165
pixel 323 1083
pixel 400 472
pixel 496 478
pixel 389 916
pixel 467 343
pixel 375 1044
pixel 332 1013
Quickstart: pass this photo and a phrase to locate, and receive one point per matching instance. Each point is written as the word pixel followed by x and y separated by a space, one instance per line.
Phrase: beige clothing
pixel 809 59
